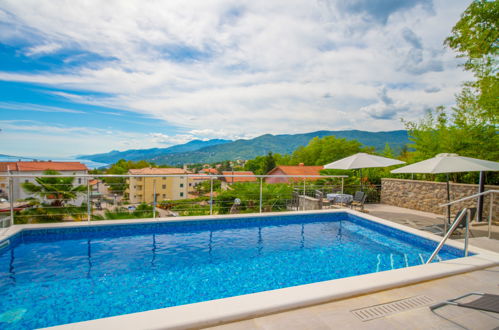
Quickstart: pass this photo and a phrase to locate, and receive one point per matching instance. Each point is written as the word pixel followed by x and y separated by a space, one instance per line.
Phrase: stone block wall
pixel 428 195
pixel 309 203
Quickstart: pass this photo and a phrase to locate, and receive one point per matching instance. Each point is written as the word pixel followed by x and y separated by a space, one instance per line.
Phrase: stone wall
pixel 308 203
pixel 428 195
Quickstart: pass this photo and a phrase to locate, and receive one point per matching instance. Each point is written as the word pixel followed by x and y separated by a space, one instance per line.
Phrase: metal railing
pixel 110 199
pixel 491 192
pixel 455 224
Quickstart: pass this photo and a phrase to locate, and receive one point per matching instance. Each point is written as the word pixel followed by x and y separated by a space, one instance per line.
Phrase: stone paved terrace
pixel 338 315
pixel 419 220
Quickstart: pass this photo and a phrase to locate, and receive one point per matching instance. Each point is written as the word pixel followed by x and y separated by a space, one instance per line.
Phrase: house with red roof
pixel 34 168
pixel 210 171
pixel 298 170
pixel 227 177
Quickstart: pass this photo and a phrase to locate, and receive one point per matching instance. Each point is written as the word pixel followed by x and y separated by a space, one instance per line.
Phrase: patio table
pixel 340 198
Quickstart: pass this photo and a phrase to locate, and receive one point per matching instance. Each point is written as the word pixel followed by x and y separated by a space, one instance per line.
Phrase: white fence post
pixel 211 195
pixel 11 198
pixel 154 199
pixel 89 205
pixel 261 193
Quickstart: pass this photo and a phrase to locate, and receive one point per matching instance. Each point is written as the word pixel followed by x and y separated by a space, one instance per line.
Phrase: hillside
pixel 148 154
pixel 199 152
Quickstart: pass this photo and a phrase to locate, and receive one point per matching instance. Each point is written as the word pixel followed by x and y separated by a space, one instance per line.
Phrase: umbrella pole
pixel 481 189
pixel 361 185
pixel 448 200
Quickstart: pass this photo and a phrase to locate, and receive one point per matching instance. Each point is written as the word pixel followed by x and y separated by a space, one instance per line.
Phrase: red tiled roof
pixel 238 178
pixel 209 170
pixel 298 170
pixel 157 170
pixel 45 166
pixel 5 166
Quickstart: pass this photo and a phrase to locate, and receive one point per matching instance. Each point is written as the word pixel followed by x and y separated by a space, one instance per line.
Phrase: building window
pixel 163 186
pixel 181 194
pixel 190 184
pixel 181 185
pixel 164 178
pixel 79 180
pixel 26 181
pixel 164 195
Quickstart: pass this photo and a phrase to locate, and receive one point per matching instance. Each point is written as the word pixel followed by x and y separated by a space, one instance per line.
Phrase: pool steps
pixel 4 244
pixel 406 261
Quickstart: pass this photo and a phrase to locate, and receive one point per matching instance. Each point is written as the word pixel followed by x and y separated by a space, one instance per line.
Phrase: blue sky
pixel 90 77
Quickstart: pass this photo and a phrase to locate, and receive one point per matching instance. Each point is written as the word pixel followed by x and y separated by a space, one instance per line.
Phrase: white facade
pixel 20 193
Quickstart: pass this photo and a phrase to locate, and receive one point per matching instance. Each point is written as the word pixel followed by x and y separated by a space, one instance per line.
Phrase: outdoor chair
pixel 323 202
pixel 487 302
pixel 440 228
pixel 358 200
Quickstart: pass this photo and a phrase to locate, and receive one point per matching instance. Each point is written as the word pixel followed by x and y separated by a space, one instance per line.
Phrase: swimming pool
pixel 62 275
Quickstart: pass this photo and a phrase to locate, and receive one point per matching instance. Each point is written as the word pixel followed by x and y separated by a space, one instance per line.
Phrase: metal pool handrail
pixel 471 197
pixel 447 235
pixel 491 192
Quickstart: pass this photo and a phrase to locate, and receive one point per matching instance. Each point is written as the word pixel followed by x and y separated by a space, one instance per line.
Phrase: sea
pixel 90 163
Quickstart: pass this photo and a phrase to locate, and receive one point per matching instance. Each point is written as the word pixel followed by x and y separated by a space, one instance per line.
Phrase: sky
pixel 85 77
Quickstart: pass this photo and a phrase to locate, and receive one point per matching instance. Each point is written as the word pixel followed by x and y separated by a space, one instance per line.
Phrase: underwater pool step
pixel 4 244
pixel 382 310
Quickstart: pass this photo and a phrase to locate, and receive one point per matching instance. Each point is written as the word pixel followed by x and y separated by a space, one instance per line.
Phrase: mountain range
pixel 216 150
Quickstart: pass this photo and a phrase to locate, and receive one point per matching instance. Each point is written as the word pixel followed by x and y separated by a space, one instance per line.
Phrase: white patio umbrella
pixel 360 161
pixel 449 163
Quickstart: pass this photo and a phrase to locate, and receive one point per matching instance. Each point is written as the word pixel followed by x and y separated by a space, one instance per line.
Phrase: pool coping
pixel 213 312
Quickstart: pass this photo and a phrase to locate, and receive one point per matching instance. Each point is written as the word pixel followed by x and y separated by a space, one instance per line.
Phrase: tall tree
pixel 469 128
pixel 388 152
pixel 326 150
pixel 268 163
pixel 475 37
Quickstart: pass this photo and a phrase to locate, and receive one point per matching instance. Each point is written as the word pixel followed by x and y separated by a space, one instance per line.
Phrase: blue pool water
pixel 56 276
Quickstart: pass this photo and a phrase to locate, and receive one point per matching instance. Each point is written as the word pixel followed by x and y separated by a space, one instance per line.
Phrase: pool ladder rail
pixel 405 258
pixel 4 244
pixel 464 213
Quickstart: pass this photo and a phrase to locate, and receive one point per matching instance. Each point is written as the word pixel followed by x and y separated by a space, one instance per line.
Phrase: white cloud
pixel 226 69
pixel 167 140
pixel 35 107
pixel 43 49
pixel 386 108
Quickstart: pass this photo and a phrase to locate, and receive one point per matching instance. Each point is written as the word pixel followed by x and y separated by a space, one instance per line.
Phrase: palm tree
pixel 56 189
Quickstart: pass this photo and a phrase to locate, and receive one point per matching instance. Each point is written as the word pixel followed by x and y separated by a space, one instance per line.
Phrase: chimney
pixel 301 164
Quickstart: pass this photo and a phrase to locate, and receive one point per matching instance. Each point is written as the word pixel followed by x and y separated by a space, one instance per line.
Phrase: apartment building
pixel 38 168
pixel 141 189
